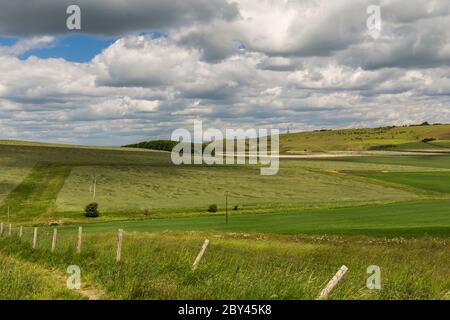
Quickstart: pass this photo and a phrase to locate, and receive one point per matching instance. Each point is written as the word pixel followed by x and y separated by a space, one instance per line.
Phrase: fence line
pixel 332 283
pixel 55 234
pixel 200 255
pixel 80 234
pixel 35 238
pixel 119 245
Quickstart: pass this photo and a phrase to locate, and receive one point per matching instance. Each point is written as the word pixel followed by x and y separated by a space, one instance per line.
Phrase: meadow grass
pixel 239 266
pixel 21 280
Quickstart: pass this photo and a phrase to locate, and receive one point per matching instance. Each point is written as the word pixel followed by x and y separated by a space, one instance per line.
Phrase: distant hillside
pixel 386 138
pixel 418 137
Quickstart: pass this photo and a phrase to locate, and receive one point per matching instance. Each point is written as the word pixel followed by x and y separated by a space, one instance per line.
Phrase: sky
pixel 139 69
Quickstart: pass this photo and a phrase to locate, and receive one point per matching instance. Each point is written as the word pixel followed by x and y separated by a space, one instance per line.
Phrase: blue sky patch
pixel 7 41
pixel 73 48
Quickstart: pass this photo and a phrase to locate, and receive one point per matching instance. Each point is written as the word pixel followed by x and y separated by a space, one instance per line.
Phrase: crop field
pixel 286 235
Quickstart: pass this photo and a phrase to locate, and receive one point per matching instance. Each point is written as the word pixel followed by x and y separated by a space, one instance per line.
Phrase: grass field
pixel 427 218
pixel 433 181
pixel 425 161
pixel 21 280
pixel 409 137
pixel 236 266
pixel 289 235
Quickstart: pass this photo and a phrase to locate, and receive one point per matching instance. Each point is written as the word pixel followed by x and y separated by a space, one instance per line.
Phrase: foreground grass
pixel 158 266
pixel 21 280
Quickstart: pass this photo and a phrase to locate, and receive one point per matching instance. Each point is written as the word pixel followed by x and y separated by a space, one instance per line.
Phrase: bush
pixel 212 208
pixel 236 208
pixel 428 140
pixel 91 210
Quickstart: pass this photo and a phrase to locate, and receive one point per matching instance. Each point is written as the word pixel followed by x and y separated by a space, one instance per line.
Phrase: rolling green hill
pixel 386 138
pixel 287 237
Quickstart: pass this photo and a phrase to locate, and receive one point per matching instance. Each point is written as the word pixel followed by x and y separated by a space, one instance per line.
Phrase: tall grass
pixel 158 266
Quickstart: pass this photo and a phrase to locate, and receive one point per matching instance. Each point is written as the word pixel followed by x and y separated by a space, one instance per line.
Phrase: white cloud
pixel 306 65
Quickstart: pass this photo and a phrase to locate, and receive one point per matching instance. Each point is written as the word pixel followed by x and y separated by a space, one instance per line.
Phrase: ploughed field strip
pixel 34 198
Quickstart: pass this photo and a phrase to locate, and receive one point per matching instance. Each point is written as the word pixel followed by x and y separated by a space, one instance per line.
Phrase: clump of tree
pixel 91 210
pixel 160 145
pixel 213 208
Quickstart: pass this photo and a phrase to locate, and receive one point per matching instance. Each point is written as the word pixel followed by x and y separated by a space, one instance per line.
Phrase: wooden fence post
pixel 200 255
pixel 119 245
pixel 80 234
pixel 35 234
pixel 20 232
pixel 55 234
pixel 332 283
pixel 10 230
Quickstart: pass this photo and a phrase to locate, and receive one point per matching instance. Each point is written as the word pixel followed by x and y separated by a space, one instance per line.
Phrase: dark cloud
pixel 109 17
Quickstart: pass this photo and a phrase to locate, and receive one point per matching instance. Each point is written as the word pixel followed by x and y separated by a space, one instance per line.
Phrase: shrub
pixel 236 208
pixel 146 212
pixel 428 140
pixel 212 208
pixel 91 210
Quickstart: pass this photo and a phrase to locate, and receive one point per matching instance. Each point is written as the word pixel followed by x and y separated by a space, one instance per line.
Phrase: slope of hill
pixel 386 138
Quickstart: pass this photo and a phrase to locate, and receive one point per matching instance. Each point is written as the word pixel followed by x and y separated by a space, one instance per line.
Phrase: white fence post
pixel 35 234
pixel 332 283
pixel 119 245
pixel 1 229
pixel 10 230
pixel 55 234
pixel 200 255
pixel 20 232
pixel 80 234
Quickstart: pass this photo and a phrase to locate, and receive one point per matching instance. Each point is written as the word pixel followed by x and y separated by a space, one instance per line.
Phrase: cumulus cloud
pixel 299 64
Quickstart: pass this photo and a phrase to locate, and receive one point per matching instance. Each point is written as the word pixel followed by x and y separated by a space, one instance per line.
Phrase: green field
pixel 386 138
pixel 426 218
pixel 287 234
pixel 424 161
pixel 433 181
